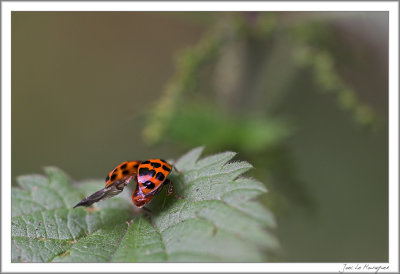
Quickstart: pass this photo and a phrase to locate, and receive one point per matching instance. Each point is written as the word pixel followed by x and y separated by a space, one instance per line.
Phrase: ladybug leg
pixel 180 172
pixel 171 189
pixel 158 191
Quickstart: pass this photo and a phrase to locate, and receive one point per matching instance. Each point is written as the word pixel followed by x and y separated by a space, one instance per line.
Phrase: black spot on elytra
pixel 144 171
pixel 155 165
pixel 113 177
pixel 108 178
pixel 160 176
pixel 163 161
pixel 149 184
pixel 166 168
pixel 125 172
pixel 146 162
pixel 123 166
pixel 135 165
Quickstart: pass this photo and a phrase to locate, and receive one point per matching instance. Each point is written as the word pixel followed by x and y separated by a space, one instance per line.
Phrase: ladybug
pixel 150 177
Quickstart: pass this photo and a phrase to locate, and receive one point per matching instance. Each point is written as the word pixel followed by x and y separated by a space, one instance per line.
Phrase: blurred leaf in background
pixel 197 124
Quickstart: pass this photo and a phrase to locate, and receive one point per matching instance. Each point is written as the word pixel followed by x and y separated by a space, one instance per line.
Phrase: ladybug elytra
pixel 150 177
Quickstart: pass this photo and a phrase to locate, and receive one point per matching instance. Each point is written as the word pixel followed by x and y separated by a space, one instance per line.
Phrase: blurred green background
pixel 303 96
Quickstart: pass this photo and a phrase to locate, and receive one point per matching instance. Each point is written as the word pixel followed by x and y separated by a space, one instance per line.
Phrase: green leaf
pixel 200 123
pixel 217 220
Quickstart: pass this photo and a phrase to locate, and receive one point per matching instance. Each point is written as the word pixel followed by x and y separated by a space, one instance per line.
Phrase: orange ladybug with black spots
pixel 150 177
pixel 123 170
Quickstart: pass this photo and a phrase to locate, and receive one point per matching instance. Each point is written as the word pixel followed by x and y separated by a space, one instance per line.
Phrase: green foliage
pixel 216 221
pixel 307 43
pixel 252 72
pixel 314 49
pixel 189 65
pixel 249 134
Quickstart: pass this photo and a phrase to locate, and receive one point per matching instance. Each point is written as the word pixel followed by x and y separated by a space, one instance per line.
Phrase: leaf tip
pixel 52 169
pixel 190 158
